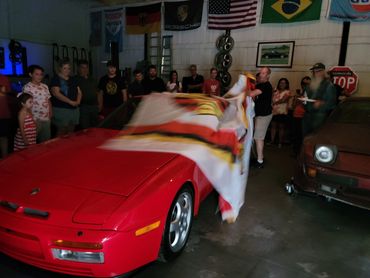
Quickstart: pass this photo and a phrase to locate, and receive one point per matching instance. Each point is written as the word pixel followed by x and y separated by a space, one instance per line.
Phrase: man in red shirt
pixel 4 81
pixel 212 86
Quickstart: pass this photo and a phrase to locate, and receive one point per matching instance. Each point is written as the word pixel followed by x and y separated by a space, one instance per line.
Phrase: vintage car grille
pixel 27 211
pixel 336 180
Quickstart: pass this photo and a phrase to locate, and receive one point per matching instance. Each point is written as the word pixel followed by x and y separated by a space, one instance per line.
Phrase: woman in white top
pixel 280 100
pixel 174 85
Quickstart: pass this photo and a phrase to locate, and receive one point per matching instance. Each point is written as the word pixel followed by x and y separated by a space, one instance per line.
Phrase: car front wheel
pixel 178 224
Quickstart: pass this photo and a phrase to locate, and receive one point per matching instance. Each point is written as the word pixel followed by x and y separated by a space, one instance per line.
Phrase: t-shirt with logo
pixel 212 87
pixel 68 87
pixel 41 96
pixel 112 90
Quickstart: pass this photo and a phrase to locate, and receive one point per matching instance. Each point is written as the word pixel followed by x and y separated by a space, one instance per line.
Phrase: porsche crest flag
pixel 143 19
pixel 185 15
pixel 350 10
pixel 286 11
pixel 113 28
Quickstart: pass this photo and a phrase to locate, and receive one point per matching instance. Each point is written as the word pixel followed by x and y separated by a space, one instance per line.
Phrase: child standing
pixel 41 109
pixel 26 133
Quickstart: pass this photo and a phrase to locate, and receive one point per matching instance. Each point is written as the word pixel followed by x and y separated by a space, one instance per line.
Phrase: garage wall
pixel 45 21
pixel 39 23
pixel 317 41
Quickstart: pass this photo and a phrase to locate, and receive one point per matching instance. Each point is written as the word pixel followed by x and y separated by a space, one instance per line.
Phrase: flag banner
pixel 231 14
pixel 350 10
pixel 113 28
pixel 185 15
pixel 143 19
pixel 281 11
pixel 95 28
pixel 204 129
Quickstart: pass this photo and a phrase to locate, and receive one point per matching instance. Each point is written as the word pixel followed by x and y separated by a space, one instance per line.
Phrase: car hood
pixel 72 178
pixel 347 137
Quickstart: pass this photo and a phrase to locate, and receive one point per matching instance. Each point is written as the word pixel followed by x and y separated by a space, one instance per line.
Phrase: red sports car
pixel 335 161
pixel 71 207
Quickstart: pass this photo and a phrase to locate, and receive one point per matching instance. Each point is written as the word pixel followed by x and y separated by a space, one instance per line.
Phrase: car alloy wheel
pixel 178 226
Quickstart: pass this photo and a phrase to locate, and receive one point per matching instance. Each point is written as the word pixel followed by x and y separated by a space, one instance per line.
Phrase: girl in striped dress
pixel 26 133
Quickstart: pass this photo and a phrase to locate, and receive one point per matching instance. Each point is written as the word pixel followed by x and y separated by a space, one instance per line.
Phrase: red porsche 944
pixel 91 205
pixel 72 207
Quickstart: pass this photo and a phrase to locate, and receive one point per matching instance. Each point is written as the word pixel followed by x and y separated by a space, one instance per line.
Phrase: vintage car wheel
pixel 225 43
pixel 223 60
pixel 178 224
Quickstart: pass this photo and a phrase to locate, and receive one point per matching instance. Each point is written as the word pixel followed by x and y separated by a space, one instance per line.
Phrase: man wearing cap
pixel 322 96
pixel 112 90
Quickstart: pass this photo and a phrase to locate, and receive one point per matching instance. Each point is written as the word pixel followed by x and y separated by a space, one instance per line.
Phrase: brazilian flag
pixel 285 11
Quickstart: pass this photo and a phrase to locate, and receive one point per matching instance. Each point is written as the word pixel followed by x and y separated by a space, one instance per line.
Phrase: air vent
pixel 9 205
pixel 27 211
pixel 35 212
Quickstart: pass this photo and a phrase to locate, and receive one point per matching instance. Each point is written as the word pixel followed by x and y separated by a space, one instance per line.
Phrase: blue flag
pixel 350 10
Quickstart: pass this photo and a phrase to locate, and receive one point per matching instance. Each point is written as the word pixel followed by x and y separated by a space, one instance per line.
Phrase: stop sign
pixel 345 77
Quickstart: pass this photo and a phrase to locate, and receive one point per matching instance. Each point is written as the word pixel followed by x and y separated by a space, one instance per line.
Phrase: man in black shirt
pixel 112 90
pixel 193 83
pixel 153 83
pixel 89 109
pixel 263 112
pixel 137 89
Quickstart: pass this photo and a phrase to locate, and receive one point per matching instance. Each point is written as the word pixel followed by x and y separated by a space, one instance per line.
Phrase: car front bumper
pixel 31 242
pixel 333 183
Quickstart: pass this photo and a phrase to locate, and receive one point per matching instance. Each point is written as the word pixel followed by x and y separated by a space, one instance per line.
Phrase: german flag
pixel 143 19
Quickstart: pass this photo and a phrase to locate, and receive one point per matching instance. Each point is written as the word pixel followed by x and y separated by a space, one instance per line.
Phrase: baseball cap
pixel 317 67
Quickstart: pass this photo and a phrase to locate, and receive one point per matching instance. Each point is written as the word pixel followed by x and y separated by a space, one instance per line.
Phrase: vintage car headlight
pixel 325 154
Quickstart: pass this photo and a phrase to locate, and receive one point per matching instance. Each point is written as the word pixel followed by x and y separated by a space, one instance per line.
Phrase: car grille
pixel 336 180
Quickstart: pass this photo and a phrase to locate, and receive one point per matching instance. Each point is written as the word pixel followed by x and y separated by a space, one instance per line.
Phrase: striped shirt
pixel 29 126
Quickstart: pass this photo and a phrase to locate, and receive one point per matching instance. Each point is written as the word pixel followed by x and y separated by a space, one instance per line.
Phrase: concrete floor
pixel 275 236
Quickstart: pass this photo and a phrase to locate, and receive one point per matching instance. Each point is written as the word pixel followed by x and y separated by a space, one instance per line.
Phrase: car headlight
pixel 78 256
pixel 325 154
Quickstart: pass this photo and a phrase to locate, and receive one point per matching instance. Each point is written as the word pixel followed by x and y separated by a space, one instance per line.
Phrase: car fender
pixel 152 199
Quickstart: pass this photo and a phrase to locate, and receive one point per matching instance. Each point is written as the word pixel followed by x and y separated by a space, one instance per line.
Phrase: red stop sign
pixel 345 77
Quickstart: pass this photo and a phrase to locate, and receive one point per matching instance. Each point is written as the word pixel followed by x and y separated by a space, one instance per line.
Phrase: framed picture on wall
pixel 275 54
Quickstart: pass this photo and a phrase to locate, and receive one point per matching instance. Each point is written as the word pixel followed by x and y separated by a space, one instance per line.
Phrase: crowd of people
pixel 71 102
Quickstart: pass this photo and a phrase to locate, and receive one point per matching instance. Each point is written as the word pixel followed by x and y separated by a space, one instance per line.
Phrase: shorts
pixel 260 126
pixel 43 131
pixel 5 127
pixel 64 117
pixel 281 118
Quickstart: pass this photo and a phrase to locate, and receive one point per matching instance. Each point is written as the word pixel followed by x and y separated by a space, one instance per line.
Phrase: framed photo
pixel 275 54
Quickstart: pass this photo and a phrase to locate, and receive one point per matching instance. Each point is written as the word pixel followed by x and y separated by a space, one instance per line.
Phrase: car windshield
pixel 352 112
pixel 118 118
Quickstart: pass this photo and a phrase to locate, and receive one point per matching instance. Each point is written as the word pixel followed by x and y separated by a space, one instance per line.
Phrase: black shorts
pixel 5 127
pixel 282 118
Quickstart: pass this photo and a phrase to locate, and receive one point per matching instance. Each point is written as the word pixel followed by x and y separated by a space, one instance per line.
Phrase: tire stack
pixel 223 59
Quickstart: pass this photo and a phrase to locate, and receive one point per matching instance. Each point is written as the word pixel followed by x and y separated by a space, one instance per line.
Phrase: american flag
pixel 231 14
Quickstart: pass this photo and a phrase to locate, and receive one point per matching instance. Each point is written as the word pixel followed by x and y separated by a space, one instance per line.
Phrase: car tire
pixel 178 224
